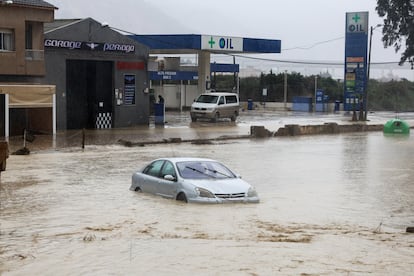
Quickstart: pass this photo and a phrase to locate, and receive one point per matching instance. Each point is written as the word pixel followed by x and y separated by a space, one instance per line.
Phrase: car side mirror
pixel 169 177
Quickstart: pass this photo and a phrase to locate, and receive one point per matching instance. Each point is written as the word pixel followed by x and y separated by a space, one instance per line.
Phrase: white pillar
pixel 285 91
pixel 181 95
pixel 238 84
pixel 6 117
pixel 54 114
pixel 203 71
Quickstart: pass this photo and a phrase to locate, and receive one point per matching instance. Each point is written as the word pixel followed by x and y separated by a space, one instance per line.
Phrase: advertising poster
pixel 129 89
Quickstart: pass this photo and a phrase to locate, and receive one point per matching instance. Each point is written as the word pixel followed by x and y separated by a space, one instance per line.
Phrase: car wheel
pixel 138 189
pixel 216 117
pixel 182 197
pixel 234 117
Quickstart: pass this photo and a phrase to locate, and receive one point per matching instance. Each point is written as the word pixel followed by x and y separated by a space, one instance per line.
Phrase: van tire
pixel 216 117
pixel 234 117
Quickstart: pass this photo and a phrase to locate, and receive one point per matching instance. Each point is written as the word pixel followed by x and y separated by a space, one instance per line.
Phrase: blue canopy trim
pixel 192 42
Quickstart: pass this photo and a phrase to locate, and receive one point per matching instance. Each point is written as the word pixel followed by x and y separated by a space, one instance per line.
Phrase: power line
pixel 313 45
pixel 305 62
pixel 301 62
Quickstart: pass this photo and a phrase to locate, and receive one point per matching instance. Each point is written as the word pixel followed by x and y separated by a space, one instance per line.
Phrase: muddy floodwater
pixel 330 205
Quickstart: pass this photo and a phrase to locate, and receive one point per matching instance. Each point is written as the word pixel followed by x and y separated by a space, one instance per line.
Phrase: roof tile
pixel 34 3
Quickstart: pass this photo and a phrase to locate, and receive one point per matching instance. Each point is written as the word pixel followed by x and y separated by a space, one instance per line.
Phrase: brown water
pixel 330 205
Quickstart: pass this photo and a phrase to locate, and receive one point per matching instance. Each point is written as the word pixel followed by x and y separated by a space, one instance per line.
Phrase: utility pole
pixel 285 91
pixel 368 70
pixel 316 88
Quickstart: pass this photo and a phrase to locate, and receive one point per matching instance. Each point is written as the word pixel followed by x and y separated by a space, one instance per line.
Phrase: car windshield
pixel 207 99
pixel 203 170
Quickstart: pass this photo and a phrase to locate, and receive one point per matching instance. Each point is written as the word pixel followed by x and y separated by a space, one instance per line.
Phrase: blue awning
pixel 173 75
pixel 224 68
pixel 191 75
pixel 169 42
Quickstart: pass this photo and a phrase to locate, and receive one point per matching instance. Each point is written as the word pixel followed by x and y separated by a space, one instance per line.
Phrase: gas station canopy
pixel 192 43
pixel 203 46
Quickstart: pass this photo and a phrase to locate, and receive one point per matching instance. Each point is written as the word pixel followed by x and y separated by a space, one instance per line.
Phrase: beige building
pixel 26 103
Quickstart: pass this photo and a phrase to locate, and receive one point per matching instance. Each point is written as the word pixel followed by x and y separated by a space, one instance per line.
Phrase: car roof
pixel 218 93
pixel 185 159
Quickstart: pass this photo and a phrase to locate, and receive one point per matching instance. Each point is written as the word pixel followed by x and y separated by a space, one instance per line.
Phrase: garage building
pixel 100 75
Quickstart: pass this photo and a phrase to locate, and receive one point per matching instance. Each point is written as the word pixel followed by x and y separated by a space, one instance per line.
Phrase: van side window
pixel 221 101
pixel 231 99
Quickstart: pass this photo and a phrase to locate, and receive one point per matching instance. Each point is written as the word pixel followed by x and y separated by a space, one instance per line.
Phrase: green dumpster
pixel 396 126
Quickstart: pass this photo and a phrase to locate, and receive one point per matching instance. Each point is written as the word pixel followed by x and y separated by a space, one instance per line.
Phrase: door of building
pixel 89 86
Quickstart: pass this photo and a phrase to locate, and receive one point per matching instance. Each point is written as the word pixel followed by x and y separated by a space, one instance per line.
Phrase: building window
pixel 6 40
pixel 29 36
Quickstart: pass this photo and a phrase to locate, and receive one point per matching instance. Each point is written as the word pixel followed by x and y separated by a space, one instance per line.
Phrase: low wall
pixel 328 128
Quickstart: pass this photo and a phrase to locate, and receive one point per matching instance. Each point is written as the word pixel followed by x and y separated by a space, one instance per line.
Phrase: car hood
pixel 222 186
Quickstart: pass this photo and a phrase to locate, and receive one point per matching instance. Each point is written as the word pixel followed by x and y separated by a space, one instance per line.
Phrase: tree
pixel 398 26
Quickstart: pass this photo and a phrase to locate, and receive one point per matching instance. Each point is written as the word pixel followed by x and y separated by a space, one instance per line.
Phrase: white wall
pixel 177 96
pixel 171 94
pixel 281 106
pixel 191 93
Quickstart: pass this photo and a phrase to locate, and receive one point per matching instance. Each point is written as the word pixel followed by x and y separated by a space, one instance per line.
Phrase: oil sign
pixel 357 22
pixel 221 43
pixel 355 75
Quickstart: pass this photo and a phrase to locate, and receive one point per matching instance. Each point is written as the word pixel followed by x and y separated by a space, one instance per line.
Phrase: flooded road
pixel 334 204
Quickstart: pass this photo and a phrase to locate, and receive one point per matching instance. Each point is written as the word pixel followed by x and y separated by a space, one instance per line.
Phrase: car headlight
pixel 252 192
pixel 204 193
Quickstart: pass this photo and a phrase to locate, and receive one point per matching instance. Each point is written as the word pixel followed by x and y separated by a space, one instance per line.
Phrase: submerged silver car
pixel 198 180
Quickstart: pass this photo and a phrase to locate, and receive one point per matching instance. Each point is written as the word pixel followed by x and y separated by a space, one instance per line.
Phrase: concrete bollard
pixel 259 132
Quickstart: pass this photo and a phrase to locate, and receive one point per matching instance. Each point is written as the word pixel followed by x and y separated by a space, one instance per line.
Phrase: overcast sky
pixel 301 25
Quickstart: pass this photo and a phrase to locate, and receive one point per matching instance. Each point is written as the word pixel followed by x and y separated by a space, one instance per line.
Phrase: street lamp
pixel 368 69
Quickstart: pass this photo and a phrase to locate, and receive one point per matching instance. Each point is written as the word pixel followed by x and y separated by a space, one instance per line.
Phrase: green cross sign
pixel 356 18
pixel 211 42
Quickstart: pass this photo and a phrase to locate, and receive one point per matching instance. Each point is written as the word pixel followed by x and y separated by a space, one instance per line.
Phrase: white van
pixel 215 105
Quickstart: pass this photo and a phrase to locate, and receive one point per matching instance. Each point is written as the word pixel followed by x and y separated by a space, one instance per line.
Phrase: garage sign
pixel 92 46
